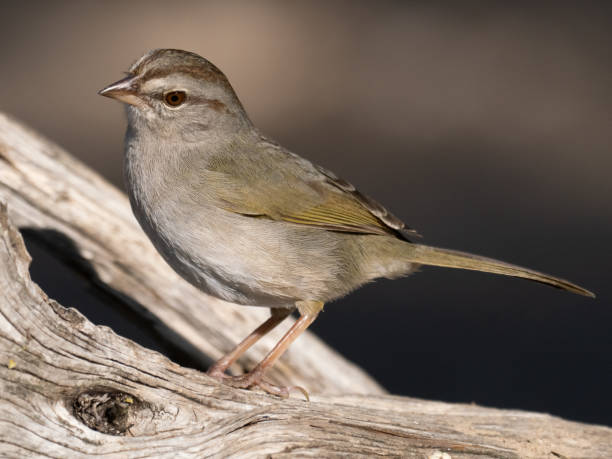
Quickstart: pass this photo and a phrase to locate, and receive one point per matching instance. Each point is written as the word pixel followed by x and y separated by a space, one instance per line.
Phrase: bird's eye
pixel 174 98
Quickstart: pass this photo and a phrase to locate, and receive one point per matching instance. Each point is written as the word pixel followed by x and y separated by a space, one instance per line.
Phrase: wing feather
pixel 279 185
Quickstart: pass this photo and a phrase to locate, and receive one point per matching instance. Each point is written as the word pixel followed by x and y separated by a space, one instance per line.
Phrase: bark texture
pixel 69 388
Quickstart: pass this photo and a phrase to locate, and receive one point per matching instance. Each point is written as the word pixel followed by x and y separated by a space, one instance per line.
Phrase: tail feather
pixel 434 256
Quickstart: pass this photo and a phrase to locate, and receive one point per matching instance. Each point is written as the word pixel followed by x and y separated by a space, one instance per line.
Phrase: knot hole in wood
pixel 109 412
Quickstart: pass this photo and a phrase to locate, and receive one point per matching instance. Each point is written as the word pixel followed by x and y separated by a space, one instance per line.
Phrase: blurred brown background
pixel 486 126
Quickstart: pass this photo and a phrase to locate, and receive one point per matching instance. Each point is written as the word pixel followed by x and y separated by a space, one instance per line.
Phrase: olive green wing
pixel 281 186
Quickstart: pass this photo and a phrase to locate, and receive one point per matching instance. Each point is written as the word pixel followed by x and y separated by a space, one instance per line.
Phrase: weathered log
pixel 69 388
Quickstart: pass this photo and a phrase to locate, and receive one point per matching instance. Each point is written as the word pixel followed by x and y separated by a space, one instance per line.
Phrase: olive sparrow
pixel 248 221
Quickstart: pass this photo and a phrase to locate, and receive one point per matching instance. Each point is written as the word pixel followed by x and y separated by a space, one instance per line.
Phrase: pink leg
pixel 309 311
pixel 220 366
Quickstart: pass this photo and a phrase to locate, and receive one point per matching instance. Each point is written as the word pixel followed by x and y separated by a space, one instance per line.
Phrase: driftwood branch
pixel 69 388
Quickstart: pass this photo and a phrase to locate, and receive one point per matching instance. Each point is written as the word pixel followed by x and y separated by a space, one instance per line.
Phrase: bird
pixel 246 220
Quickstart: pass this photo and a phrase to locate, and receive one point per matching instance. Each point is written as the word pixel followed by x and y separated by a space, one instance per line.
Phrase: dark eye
pixel 175 98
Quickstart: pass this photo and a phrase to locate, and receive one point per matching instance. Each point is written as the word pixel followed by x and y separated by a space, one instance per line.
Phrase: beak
pixel 125 90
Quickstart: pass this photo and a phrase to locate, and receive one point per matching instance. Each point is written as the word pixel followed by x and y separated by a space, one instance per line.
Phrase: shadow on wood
pixel 74 282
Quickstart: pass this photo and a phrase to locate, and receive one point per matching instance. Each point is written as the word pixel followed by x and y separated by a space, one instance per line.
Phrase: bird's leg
pixel 217 370
pixel 309 310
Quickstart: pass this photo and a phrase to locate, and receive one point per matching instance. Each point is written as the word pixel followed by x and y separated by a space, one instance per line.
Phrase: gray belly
pixel 246 260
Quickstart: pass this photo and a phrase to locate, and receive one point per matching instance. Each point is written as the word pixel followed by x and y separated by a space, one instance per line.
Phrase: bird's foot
pixel 255 379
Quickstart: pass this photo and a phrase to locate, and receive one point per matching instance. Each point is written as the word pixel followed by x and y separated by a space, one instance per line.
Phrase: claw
pixel 281 391
pixel 254 379
pixel 302 390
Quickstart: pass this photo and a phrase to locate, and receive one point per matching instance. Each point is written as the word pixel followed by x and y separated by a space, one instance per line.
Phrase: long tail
pixel 434 256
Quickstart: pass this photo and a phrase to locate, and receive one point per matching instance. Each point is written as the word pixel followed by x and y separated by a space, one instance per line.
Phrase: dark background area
pixel 486 126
